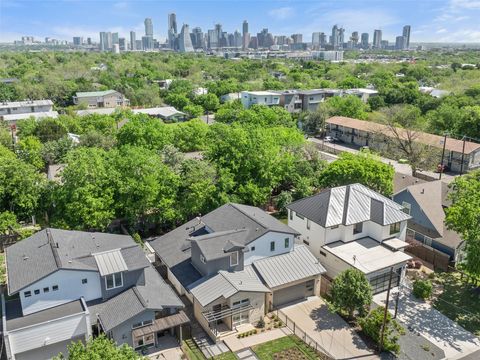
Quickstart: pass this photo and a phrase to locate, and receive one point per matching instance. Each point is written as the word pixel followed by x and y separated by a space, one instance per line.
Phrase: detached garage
pixel 290 277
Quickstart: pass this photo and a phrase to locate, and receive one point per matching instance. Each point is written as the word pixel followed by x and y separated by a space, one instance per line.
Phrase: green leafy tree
pixel 193 111
pixel 190 135
pixel 29 149
pixel 85 200
pixel 178 101
pixel 5 136
pixel 463 217
pixel 422 289
pixel 49 129
pixel 54 152
pixel 148 193
pixel 20 185
pixel 372 326
pixel 351 292
pixel 146 132
pixel 314 121
pixel 208 101
pixel 8 221
pixel 349 106
pixel 99 348
pixel 363 168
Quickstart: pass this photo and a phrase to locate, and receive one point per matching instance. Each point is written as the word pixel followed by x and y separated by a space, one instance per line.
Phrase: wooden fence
pixel 435 257
pixel 325 286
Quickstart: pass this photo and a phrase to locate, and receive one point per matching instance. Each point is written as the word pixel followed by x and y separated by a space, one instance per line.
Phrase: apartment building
pixel 12 111
pixel 268 98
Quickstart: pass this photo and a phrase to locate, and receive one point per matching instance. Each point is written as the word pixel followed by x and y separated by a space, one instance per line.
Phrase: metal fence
pixel 302 334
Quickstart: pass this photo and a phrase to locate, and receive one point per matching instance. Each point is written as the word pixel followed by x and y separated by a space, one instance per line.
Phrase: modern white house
pixel 268 98
pixel 353 227
pixel 13 111
pixel 70 285
pixel 236 263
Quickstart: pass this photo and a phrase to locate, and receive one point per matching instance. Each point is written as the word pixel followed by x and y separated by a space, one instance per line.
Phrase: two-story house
pixel 101 99
pixel 268 98
pixel 69 285
pixel 354 227
pixel 426 203
pixel 235 264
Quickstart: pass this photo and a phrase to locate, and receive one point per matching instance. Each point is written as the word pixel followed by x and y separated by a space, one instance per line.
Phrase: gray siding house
pixel 426 204
pixel 71 285
pixel 225 263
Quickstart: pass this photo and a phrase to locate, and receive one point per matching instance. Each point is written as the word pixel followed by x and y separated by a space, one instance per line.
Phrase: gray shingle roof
pixel 174 247
pixel 154 295
pixel 217 244
pixel 347 205
pixel 49 250
pixel 226 284
pixel 283 269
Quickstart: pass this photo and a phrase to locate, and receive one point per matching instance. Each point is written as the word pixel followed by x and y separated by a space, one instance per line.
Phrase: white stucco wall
pixel 70 288
pixel 261 246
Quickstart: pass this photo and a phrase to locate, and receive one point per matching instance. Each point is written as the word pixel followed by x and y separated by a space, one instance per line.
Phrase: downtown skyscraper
pixel 172 31
pixel 147 40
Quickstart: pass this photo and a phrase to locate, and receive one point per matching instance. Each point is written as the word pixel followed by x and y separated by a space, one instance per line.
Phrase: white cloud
pixel 282 13
pixel 441 31
pixel 464 4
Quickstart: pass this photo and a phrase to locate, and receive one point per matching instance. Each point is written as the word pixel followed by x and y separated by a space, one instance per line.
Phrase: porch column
pixel 180 329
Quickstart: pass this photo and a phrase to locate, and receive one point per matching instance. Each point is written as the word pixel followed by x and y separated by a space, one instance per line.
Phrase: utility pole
pixel 463 154
pixel 386 310
pixel 443 155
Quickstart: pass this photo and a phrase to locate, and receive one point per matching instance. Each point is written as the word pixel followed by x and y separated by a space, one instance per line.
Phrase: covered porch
pixel 223 320
pixel 154 335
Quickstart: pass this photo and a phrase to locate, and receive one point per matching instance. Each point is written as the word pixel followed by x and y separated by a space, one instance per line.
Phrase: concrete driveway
pixel 329 330
pixel 421 318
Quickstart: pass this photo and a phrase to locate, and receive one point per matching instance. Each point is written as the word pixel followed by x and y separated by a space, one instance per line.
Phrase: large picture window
pixel 113 281
pixel 395 228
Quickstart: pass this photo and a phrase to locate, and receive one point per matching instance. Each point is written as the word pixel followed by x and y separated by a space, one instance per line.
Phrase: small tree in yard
pixel 351 292
pixel 422 289
pixel 99 348
pixel 372 326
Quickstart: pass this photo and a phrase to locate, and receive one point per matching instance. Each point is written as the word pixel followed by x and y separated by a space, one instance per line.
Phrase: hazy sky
pixel 431 20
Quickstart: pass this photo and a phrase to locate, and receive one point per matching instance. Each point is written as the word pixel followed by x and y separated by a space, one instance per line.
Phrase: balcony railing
pixel 225 311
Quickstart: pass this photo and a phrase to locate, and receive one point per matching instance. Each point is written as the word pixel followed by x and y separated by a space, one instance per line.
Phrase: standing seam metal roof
pixel 283 269
pixel 110 262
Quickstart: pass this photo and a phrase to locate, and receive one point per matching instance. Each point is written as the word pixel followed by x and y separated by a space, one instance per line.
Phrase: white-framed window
pixel 291 214
pixel 239 303
pixel 334 227
pixel 54 287
pixel 202 259
pixel 272 246
pixel 36 291
pixel 395 228
pixel 46 289
pixel 287 242
pixel 234 258
pixel 113 281
pixel 308 224
pixel 27 294
pixel 84 281
pixel 407 207
pixel 252 248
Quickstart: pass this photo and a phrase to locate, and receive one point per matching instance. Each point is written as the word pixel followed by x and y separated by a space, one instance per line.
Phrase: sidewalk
pixel 235 344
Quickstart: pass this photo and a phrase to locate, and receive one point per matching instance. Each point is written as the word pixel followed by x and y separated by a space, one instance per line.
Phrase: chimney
pixel 423 191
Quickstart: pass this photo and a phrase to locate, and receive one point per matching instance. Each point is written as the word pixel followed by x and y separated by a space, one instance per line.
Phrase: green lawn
pixel 460 301
pixel 267 350
pixel 226 356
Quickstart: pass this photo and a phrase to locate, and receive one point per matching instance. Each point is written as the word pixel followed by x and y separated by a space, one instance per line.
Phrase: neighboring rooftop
pixel 24 103
pixel 366 254
pixel 49 250
pixel 95 93
pixel 402 181
pixel 421 137
pixel 27 115
pixel 286 268
pixel 163 111
pixel 16 320
pixel 262 93
pixel 348 205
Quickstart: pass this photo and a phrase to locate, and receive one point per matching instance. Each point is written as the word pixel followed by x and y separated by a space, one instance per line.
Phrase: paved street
pixel 328 329
pixel 422 319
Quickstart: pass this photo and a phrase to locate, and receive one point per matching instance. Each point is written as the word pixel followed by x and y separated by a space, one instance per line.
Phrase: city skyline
pixel 450 21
